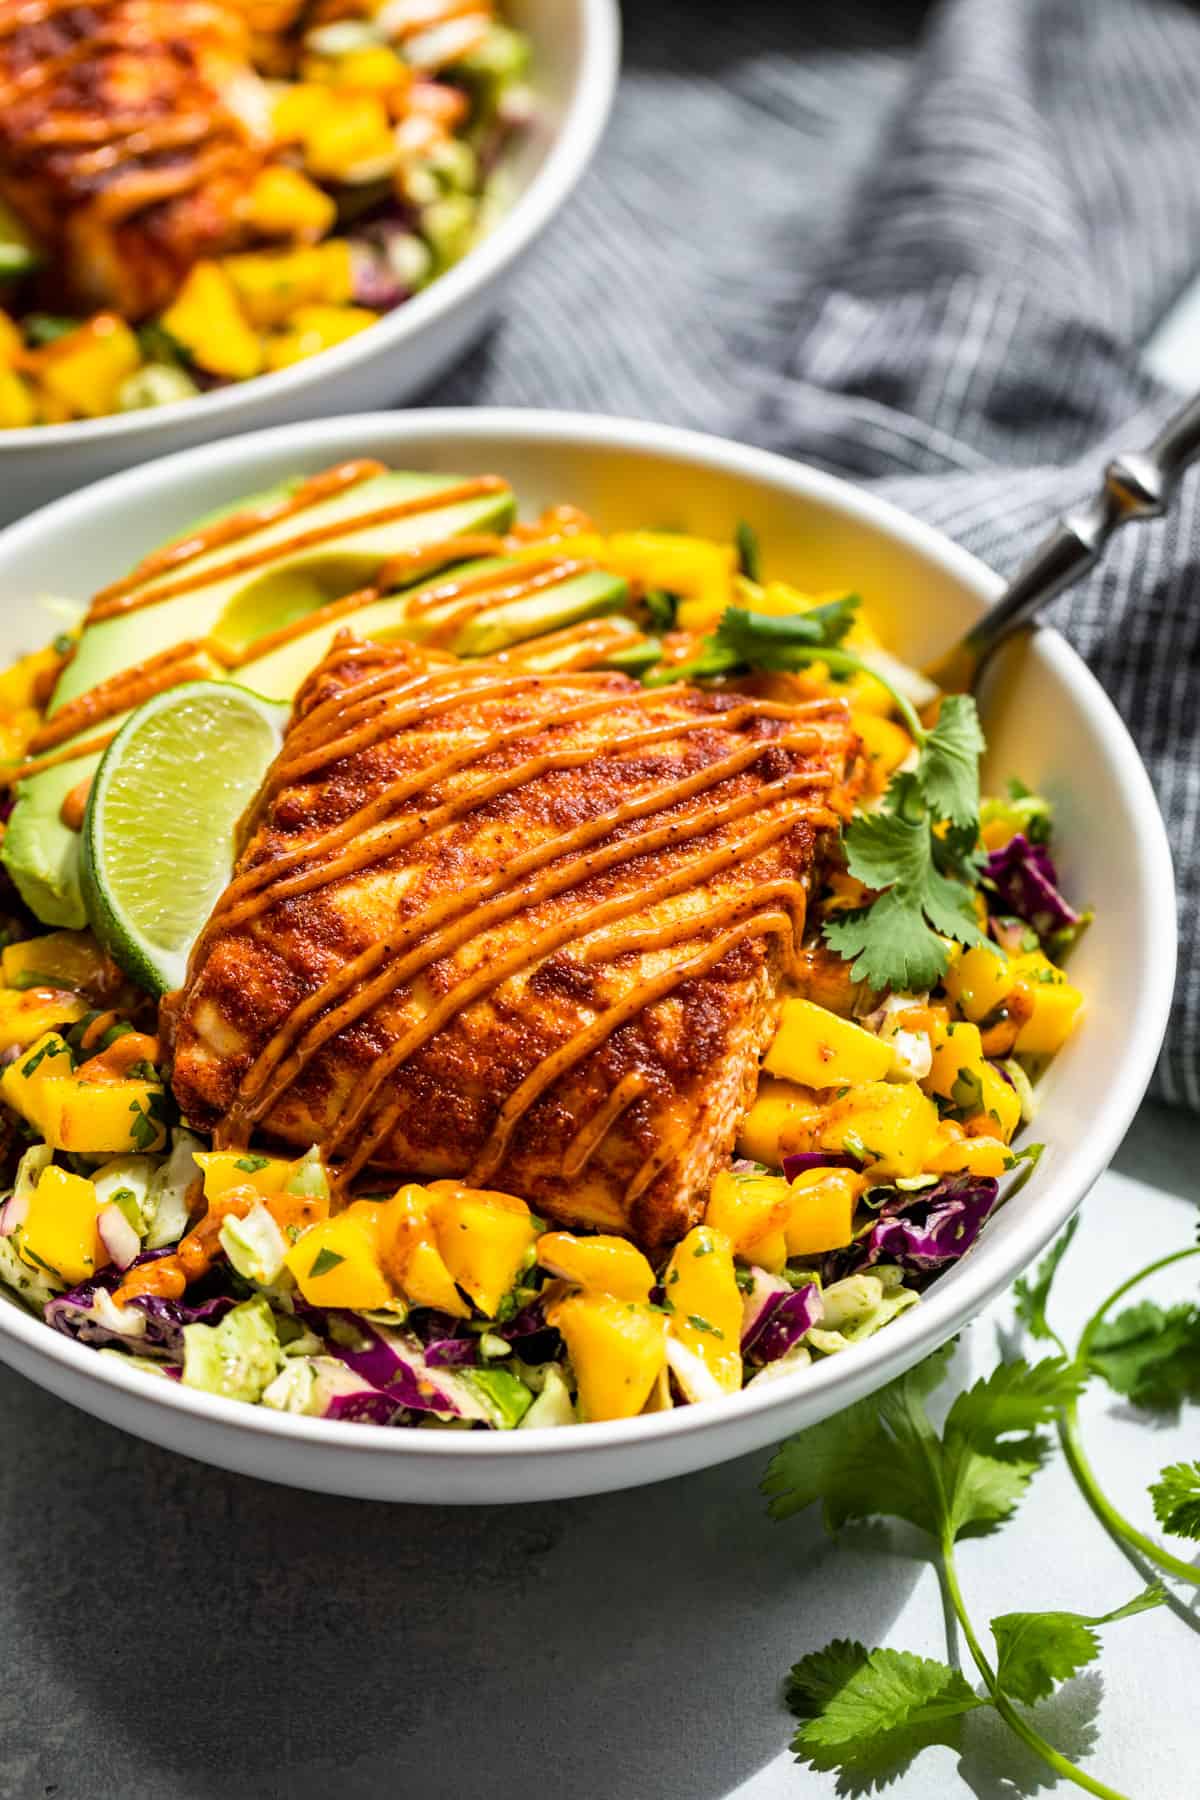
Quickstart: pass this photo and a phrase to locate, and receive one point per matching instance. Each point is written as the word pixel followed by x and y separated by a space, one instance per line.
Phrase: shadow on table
pixel 174 1631
pixel 1160 1149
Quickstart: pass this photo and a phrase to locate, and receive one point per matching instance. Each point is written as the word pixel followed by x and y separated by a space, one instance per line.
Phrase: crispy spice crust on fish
pixel 119 144
pixel 525 930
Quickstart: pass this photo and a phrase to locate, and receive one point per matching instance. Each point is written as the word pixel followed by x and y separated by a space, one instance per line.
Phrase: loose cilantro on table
pixel 868 1711
pixel 1148 1354
pixel 1176 1497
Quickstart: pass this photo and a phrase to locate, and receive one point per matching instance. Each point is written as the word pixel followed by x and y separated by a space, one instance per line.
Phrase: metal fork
pixel 1138 484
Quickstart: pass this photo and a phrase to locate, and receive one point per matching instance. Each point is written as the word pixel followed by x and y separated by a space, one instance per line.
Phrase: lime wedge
pixel 158 835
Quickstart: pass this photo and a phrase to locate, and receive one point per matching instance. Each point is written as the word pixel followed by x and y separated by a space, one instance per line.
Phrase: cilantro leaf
pixel 1176 1497
pixel 770 640
pixel 1150 1354
pixel 854 1467
pixel 325 1261
pixel 749 559
pixel 1039 1649
pixel 896 941
pixel 873 1708
pixel 1032 1296
pixel 883 1457
pixel 947 771
pixel 661 607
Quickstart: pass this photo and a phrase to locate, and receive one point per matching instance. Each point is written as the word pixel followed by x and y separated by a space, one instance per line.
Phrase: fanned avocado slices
pixel 279 672
pixel 233 609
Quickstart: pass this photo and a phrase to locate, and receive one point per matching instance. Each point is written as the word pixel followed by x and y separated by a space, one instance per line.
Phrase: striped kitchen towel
pixel 920 246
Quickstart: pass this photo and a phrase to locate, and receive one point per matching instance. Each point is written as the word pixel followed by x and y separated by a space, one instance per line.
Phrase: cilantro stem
pixel 1016 1723
pixel 1123 1530
pixel 844 661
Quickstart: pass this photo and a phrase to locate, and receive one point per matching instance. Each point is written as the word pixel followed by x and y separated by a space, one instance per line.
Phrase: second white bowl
pixel 576 47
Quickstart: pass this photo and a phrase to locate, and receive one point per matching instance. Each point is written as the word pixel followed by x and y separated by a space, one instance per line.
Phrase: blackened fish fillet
pixel 525 930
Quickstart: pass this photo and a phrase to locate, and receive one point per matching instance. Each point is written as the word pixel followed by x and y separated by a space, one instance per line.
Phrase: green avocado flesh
pixel 278 673
pixel 232 609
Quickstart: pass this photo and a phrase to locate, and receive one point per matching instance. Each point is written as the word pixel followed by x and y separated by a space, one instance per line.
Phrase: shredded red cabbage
pixel 74 1313
pixel 783 1322
pixel 1024 876
pixel 924 1231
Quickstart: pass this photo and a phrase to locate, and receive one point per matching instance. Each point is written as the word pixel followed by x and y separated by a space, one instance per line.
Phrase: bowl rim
pixel 584 117
pixel 948 1306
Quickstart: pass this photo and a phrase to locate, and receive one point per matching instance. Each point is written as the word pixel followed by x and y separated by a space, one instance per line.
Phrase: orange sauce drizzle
pixel 588 1138
pixel 109 603
pixel 389 701
pixel 233 526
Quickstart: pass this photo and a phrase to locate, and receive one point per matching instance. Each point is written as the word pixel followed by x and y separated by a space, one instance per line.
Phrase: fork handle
pixel 1138 484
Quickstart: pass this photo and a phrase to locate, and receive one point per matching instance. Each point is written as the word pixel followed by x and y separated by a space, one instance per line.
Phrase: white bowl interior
pixel 1047 721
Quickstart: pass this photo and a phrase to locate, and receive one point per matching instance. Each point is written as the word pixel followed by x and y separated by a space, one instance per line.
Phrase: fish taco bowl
pixel 559 1075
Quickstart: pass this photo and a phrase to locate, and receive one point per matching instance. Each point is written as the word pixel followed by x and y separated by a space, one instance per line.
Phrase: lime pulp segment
pixel 158 841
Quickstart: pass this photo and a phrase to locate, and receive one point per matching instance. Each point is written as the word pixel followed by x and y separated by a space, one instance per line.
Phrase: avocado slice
pixel 232 609
pixel 278 673
pixel 550 609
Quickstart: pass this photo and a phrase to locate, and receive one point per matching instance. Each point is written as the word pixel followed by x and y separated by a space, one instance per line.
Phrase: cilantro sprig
pixel 919 854
pixel 1150 1355
pixel 868 1711
pixel 746 639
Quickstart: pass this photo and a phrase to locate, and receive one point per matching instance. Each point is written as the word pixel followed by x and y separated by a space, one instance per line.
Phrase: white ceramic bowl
pixel 577 55
pixel 1047 719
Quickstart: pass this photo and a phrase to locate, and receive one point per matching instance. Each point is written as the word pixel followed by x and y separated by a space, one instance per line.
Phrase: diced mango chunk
pixel 270 284
pixel 821 1216
pixel 60 1231
pixel 410 1256
pixel 607 1265
pixel 312 329
pixel 18 401
pixel 886 743
pixel 100 1117
pixel 958 1062
pixel 27 1014
pixel 957 1154
pixel 699 569
pixel 751 1211
pixel 85 368
pixel 225 1169
pixel 705 1304
pixel 888 1124
pixel 485 1239
pixel 299 105
pixel 782 1119
pixel 979 981
pixel 284 203
pixel 23 1079
pixel 999 1111
pixel 1056 1009
pixel 617 1348
pixel 206 320
pixel 345 140
pixel 59 959
pixel 25 682
pixel 819 1050
pixel 334 1264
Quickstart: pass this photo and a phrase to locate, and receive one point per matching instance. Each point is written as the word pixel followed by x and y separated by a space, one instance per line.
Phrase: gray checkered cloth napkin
pixel 919 246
